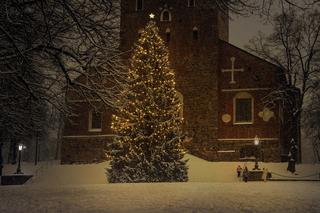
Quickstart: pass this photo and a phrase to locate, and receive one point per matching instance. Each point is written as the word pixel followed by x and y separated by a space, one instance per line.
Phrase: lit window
pixel 95 121
pixel 168 35
pixel 191 3
pixel 139 5
pixel 165 15
pixel 195 33
pixel 243 108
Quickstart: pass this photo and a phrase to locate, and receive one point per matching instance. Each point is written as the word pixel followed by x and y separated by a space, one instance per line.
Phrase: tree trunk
pixel 59 140
pixel 1 161
pixel 12 156
pixel 316 148
pixel 299 160
pixel 36 157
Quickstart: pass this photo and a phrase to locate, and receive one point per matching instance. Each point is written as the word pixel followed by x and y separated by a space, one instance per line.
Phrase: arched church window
pixel 243 108
pixel 165 15
pixel 139 5
pixel 95 121
pixel 168 35
pixel 180 96
pixel 195 33
pixel 191 3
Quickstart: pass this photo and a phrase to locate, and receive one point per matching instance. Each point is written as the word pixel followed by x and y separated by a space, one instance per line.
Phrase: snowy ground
pixel 199 171
pixel 213 187
pixel 248 197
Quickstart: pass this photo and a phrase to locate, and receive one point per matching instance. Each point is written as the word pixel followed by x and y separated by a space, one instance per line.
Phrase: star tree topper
pixel 151 16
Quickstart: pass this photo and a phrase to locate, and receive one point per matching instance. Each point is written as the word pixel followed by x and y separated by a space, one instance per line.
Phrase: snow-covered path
pixel 271 197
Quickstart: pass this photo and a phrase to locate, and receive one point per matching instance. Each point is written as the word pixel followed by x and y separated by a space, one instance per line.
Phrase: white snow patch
pixel 275 197
pixel 199 171
pixel 213 187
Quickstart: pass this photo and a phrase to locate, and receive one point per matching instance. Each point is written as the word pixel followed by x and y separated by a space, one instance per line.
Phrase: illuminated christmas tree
pixel 147 146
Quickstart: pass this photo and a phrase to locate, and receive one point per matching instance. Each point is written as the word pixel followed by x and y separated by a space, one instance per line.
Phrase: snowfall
pixel 212 187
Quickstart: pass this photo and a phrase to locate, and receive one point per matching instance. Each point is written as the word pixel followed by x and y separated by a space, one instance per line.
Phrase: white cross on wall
pixel 232 70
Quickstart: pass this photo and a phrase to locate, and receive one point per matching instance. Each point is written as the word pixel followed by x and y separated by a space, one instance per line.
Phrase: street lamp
pixel 1 161
pixel 20 148
pixel 256 142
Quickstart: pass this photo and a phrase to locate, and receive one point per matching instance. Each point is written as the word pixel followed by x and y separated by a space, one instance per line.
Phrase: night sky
pixel 242 29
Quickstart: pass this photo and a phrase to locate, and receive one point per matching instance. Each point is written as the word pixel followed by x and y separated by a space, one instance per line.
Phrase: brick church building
pixel 221 86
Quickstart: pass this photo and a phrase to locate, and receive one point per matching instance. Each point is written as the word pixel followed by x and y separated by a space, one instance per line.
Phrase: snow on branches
pixel 46 46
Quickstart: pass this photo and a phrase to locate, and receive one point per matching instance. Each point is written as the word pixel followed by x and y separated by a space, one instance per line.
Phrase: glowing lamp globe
pixel 20 147
pixel 256 141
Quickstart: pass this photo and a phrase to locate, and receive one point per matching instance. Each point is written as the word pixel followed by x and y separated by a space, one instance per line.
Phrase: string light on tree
pixel 147 146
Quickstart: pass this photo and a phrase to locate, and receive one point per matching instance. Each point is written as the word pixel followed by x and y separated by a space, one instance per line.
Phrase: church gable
pixel 244 82
pixel 249 71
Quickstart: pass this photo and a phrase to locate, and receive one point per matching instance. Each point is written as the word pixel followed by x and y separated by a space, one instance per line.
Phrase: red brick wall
pixel 258 75
pixel 259 127
pixel 80 122
pixel 79 145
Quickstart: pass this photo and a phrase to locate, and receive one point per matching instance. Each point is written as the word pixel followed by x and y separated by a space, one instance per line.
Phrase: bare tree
pixel 292 47
pixel 312 123
pixel 52 47
pixel 263 7
pixel 21 115
pixel 311 119
pixel 62 40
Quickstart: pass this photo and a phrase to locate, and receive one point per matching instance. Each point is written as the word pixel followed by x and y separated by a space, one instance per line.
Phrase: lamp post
pixel 36 158
pixel 256 142
pixel 19 163
pixel 1 161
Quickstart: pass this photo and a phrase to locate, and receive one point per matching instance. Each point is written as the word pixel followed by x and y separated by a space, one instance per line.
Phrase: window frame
pixel 242 95
pixel 195 33
pixel 161 16
pixel 142 5
pixel 140 33
pixel 191 5
pixel 168 35
pixel 90 128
